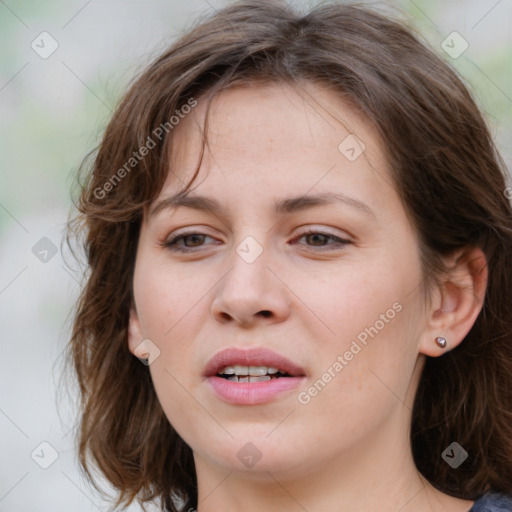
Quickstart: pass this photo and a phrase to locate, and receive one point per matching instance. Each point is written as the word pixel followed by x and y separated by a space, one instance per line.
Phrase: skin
pixel 348 448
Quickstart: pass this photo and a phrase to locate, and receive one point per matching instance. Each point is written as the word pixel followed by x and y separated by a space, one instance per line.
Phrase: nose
pixel 251 293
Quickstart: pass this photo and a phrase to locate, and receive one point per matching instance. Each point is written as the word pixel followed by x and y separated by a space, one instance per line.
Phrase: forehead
pixel 297 138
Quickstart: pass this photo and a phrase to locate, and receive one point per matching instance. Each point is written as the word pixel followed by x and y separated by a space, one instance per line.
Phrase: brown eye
pixel 317 238
pixel 320 239
pixel 196 239
pixel 190 240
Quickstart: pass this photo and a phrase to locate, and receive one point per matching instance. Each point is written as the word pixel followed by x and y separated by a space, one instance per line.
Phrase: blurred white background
pixel 53 111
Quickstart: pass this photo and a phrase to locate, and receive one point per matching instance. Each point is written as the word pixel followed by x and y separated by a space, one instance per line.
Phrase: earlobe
pixel 135 336
pixel 460 300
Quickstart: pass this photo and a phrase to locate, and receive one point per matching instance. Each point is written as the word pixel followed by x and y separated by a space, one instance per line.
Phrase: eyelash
pixel 171 243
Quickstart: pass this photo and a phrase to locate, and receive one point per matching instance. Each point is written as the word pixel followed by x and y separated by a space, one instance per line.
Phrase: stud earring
pixel 141 352
pixel 441 342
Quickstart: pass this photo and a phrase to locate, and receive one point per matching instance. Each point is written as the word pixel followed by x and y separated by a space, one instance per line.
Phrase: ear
pixel 135 336
pixel 457 301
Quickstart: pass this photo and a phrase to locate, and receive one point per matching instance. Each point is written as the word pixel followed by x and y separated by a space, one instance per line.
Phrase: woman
pixel 298 223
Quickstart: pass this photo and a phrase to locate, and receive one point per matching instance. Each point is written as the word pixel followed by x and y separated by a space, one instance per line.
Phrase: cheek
pixel 359 384
pixel 168 300
pixel 169 310
pixel 180 406
pixel 373 315
pixel 353 299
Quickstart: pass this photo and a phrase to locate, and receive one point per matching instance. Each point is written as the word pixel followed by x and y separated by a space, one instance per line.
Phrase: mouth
pixel 239 373
pixel 235 363
pixel 254 376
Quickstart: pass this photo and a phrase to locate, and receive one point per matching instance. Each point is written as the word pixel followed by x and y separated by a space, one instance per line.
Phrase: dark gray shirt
pixel 493 502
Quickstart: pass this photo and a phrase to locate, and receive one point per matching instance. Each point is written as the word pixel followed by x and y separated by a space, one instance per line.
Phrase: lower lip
pixel 252 393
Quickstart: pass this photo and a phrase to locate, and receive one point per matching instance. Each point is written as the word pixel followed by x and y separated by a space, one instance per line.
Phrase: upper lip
pixel 251 357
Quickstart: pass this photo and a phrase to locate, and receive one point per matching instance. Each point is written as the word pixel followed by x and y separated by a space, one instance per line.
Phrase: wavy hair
pixel 444 165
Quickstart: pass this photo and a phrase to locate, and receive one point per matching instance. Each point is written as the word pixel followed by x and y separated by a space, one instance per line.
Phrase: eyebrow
pixel 280 207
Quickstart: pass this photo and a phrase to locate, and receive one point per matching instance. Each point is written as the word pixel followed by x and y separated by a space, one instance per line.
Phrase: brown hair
pixel 444 165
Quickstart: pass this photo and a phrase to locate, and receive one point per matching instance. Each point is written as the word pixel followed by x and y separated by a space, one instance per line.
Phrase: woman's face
pixel 343 305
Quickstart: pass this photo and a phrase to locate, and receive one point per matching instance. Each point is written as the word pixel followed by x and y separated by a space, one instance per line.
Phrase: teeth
pixel 257 370
pixel 241 370
pixel 254 371
pixel 261 378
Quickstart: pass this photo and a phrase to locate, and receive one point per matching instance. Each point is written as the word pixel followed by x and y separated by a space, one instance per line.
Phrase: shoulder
pixel 493 502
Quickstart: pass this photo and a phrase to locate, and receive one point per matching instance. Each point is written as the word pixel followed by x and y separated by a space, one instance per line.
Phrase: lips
pixel 251 359
pixel 252 377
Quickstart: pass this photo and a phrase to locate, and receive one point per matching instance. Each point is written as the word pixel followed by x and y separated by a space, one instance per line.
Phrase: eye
pixel 186 242
pixel 321 238
pixel 195 239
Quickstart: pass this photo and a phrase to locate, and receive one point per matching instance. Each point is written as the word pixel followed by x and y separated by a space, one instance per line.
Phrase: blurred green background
pixel 53 111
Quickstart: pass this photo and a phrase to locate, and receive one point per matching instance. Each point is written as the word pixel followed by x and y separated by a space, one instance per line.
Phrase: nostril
pixel 226 317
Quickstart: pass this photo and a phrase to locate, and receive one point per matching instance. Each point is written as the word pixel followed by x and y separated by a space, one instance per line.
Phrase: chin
pixel 253 452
